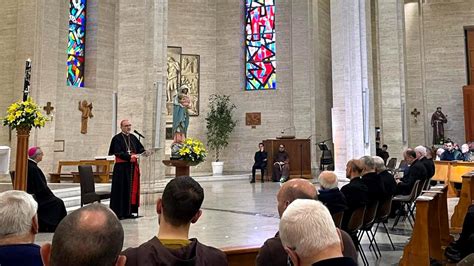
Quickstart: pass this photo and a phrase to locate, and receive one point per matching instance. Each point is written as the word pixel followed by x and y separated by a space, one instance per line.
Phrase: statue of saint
pixel 437 121
pixel 86 110
pixel 181 104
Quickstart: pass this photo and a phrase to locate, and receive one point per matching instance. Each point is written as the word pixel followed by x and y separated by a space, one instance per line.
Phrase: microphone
pixel 138 133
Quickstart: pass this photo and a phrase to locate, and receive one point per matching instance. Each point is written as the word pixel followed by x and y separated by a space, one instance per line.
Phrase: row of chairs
pixel 407 202
pixel 363 220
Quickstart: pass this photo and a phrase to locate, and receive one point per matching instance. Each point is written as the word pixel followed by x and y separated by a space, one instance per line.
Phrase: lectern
pixel 299 151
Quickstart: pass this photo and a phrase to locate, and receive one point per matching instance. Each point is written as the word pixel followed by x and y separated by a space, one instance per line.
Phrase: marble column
pixel 303 85
pixel 141 71
pixel 391 48
pixel 352 113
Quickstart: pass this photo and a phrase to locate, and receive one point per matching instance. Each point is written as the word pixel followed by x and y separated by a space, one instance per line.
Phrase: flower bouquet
pixel 193 151
pixel 24 114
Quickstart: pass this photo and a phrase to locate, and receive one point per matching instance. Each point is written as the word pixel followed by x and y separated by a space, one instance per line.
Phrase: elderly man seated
pixel 272 251
pixel 309 235
pixel 18 228
pixel 329 193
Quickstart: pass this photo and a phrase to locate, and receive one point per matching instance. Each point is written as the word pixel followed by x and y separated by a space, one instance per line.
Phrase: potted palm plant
pixel 219 124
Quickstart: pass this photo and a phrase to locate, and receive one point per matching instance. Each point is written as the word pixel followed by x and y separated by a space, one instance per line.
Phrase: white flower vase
pixel 217 168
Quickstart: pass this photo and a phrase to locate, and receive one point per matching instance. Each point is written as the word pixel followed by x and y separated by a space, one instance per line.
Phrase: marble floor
pixel 237 213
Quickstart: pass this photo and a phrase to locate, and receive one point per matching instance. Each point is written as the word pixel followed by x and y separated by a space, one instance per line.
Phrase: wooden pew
pixel 242 255
pixel 451 172
pixel 102 171
pixel 427 233
pixel 467 194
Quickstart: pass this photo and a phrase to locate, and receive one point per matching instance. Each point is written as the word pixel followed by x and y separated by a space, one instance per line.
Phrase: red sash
pixel 135 184
pixel 135 189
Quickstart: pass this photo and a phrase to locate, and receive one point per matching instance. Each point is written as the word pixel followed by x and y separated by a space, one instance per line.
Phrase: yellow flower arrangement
pixel 192 150
pixel 24 114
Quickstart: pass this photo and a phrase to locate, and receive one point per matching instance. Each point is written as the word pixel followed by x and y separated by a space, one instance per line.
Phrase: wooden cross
pixel 415 113
pixel 48 108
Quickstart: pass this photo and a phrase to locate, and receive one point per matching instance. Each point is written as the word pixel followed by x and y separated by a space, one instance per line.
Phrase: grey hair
pixel 421 150
pixel 17 209
pixel 37 152
pixel 325 183
pixel 379 164
pixel 307 227
pixel 368 162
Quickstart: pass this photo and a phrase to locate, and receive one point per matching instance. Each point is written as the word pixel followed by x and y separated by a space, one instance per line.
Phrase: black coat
pixel 416 171
pixel 375 186
pixel 333 199
pixel 260 159
pixel 389 183
pixel 51 209
pixel 429 166
pixel 357 195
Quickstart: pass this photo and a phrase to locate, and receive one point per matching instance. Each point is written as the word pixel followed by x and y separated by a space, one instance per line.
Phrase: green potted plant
pixel 219 124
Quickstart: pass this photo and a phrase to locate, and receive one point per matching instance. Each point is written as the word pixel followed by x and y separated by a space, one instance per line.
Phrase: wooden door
pixel 470 55
pixel 468 95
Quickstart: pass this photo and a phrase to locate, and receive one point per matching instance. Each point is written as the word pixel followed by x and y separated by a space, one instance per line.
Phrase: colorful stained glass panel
pixel 76 43
pixel 75 71
pixel 260 61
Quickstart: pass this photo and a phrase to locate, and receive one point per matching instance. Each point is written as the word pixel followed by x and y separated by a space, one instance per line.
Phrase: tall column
pixel 352 113
pixel 302 57
pixel 392 70
pixel 141 72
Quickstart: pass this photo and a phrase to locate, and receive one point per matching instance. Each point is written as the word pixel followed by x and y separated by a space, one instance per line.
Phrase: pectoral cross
pixel 48 108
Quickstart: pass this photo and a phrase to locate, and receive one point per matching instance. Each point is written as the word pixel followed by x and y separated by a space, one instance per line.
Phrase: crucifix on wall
pixel 48 108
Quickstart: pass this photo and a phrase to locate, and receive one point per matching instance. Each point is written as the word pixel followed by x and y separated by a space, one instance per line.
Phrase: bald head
pixel 91 235
pixel 294 189
pixel 328 180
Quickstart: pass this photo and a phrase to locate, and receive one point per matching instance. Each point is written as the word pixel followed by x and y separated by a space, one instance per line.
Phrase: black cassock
pixel 51 209
pixel 125 194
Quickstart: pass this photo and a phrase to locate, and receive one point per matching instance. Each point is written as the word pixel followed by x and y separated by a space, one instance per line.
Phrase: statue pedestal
pixel 182 167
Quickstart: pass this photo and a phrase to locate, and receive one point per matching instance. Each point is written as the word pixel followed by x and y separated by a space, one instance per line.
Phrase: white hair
pixel 17 209
pixel 325 182
pixel 421 150
pixel 307 227
pixel 379 164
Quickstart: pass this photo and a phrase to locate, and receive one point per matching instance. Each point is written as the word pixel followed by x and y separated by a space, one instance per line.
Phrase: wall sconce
pixel 415 113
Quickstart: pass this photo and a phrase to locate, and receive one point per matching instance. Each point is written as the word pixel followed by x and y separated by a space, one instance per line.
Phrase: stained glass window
pixel 76 44
pixel 260 59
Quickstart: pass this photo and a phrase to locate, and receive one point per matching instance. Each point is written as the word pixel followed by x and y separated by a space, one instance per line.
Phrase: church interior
pixel 331 80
